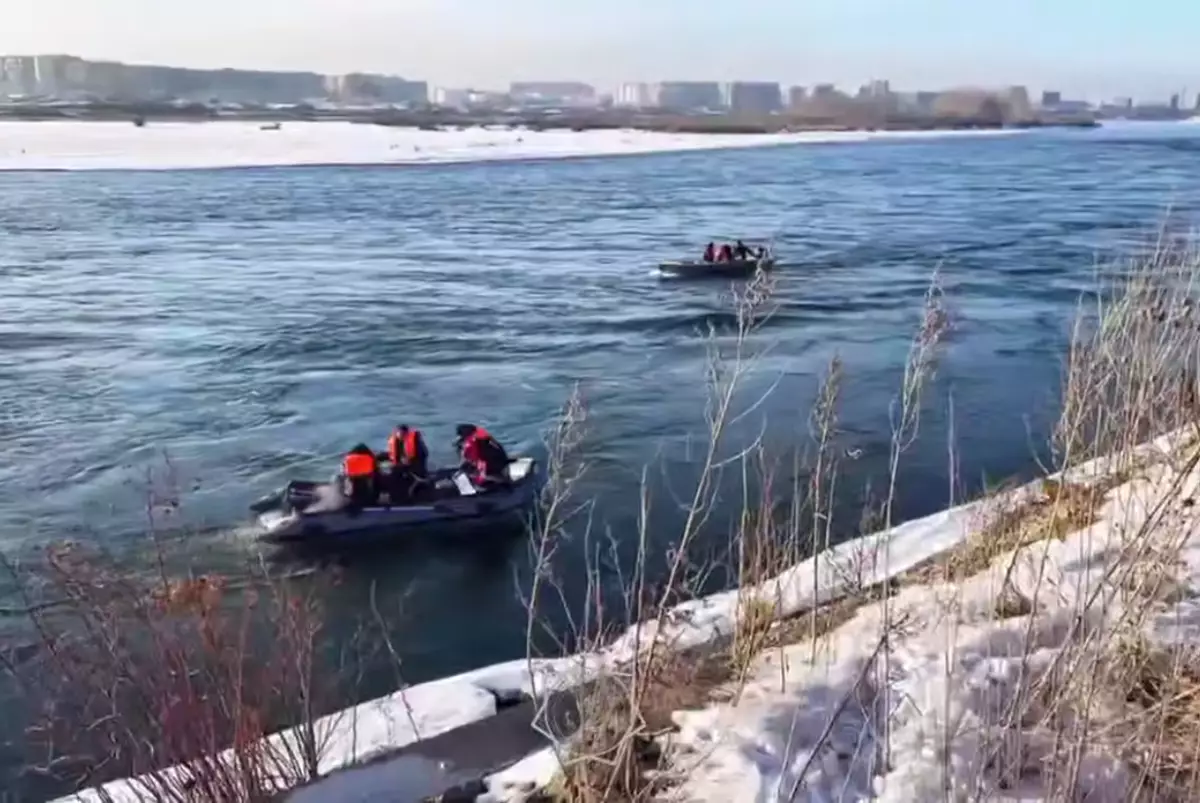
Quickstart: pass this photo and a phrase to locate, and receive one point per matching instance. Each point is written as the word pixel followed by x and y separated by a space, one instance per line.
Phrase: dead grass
pixel 617 753
pixel 816 625
pixel 1153 700
pixel 1059 510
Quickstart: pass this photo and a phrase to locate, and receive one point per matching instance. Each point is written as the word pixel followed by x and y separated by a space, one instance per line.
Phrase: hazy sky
pixel 1097 47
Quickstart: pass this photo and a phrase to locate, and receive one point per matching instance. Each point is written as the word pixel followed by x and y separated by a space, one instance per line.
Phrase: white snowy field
pixel 1022 682
pixel 79 145
pixel 951 667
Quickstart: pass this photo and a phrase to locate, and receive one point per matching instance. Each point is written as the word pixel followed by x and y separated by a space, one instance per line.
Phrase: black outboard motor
pixel 298 495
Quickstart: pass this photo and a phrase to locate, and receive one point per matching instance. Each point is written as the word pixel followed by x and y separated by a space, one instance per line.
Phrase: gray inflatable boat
pixel 319 513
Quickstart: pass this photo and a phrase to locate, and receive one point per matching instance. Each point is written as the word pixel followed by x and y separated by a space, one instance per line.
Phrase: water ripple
pixel 255 322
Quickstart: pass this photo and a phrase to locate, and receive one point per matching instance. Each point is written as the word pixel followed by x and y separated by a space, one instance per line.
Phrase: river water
pixel 254 323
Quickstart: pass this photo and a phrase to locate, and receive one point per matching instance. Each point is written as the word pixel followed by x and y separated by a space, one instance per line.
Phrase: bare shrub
pixel 164 678
pixel 625 707
pixel 605 758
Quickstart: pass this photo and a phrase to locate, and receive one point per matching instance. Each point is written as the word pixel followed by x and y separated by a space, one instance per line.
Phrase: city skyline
pixel 1097 50
pixel 67 77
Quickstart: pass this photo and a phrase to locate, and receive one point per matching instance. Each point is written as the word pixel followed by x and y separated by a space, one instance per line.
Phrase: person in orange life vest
pixel 361 470
pixel 406 448
pixel 710 252
pixel 483 456
pixel 410 459
pixel 726 253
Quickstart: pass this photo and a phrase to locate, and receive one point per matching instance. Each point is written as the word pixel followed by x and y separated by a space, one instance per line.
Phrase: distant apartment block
pixel 1050 99
pixel 40 75
pixel 875 90
pixel 470 99
pixel 552 93
pixel 1068 106
pixel 797 97
pixel 690 95
pixel 755 97
pixel 925 100
pixel 638 95
pixel 73 78
pixel 376 89
pixel 878 96
pixel 450 98
pixel 70 77
pixel 1016 99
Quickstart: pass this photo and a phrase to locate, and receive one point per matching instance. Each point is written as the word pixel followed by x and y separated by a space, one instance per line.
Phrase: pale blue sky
pixel 1100 48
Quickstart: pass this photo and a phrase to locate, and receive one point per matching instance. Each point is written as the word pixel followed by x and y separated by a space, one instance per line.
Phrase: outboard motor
pixel 298 495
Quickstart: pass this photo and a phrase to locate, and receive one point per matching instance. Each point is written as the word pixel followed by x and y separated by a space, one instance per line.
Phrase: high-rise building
pixel 367 88
pixel 875 90
pixel 552 93
pixel 1017 101
pixel 17 76
pixel 72 77
pixel 1051 99
pixel 754 97
pixel 638 95
pixel 451 98
pixel 690 95
pixel 925 100
pixel 797 97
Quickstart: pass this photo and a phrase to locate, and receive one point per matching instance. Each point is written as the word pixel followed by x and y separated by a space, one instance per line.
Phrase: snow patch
pixel 518 782
pixel 77 145
pixel 927 712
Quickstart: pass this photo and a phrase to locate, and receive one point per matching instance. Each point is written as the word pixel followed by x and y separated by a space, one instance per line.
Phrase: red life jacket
pixel 472 451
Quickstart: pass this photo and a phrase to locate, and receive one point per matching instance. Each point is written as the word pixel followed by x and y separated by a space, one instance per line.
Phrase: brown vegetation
pixel 164 678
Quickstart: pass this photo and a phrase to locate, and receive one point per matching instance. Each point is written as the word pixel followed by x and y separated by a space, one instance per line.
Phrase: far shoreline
pixel 183 145
pixel 444 120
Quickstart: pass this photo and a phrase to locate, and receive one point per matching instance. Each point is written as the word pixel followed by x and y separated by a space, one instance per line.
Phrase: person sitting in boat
pixel 410 461
pixel 362 472
pixel 726 253
pixel 406 449
pixel 710 252
pixel 740 251
pixel 484 459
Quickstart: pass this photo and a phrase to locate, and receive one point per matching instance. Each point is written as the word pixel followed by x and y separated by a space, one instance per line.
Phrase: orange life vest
pixel 359 465
pixel 403 448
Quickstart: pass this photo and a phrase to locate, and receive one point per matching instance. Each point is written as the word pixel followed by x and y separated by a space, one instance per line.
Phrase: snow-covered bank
pixel 375 728
pixel 1063 664
pixel 78 145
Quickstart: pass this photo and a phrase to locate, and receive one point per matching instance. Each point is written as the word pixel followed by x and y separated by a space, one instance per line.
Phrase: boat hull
pixel 741 267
